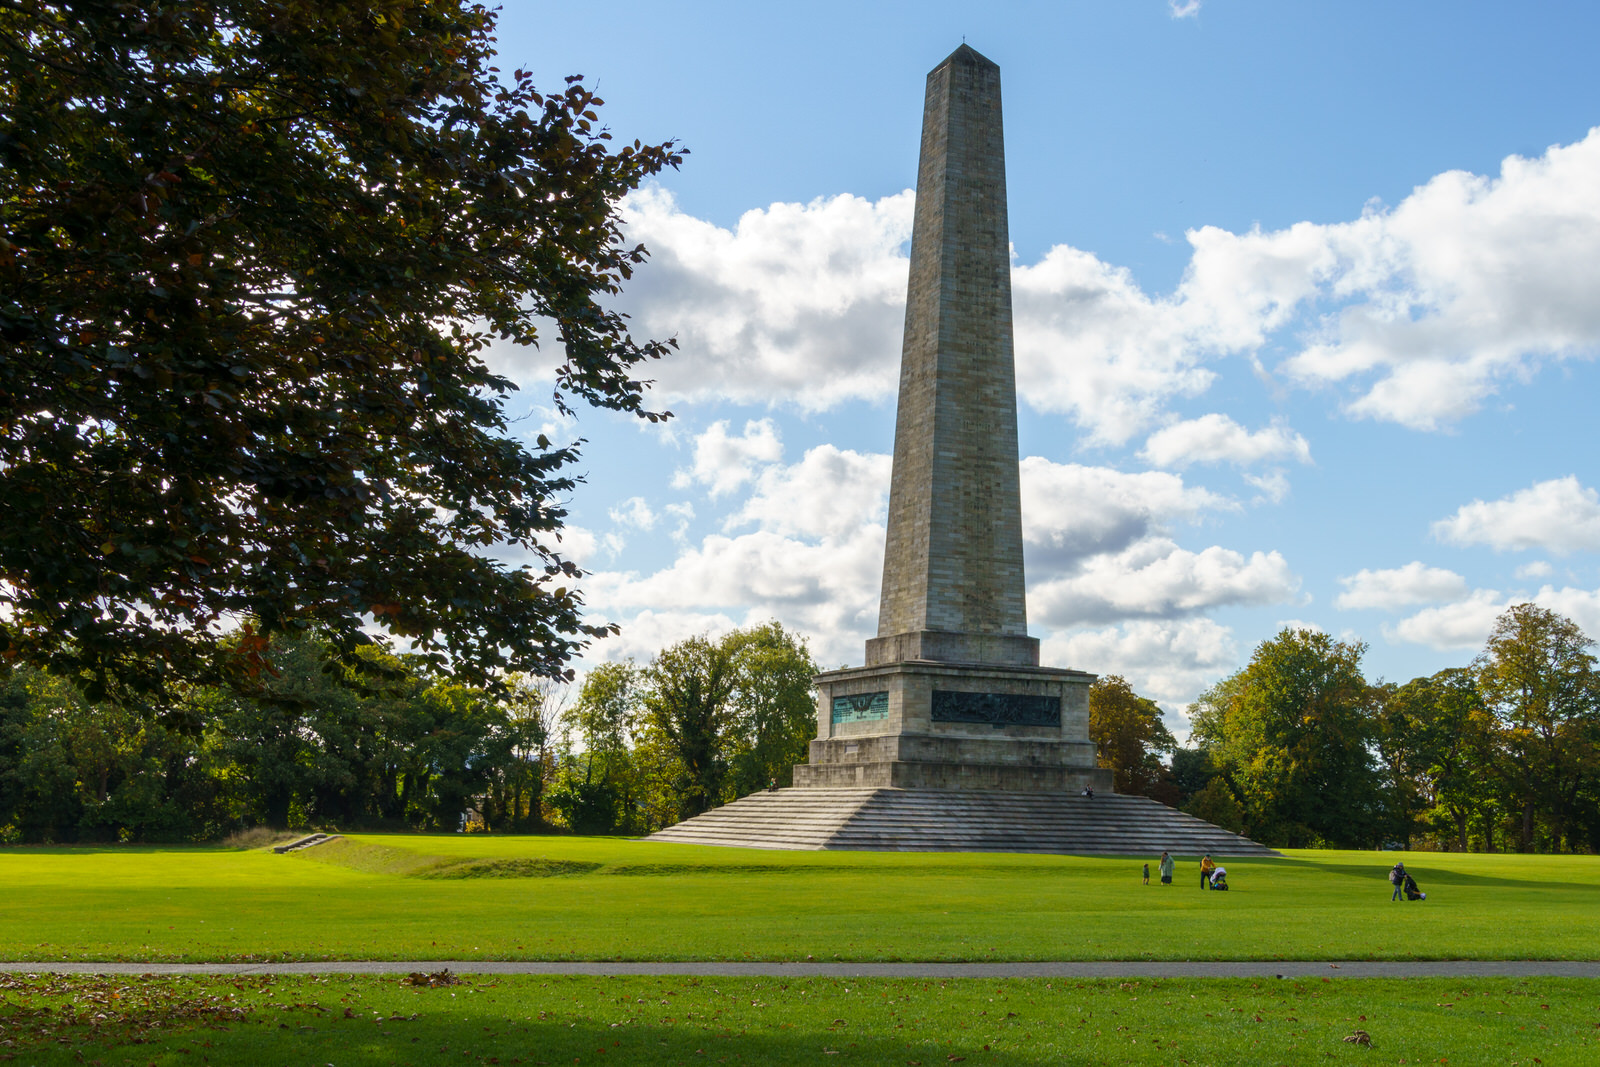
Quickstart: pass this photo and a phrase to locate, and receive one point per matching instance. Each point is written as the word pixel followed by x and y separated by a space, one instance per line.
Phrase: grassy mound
pixel 371 858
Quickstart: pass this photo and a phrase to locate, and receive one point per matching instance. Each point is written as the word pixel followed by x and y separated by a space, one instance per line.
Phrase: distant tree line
pixel 634 749
pixel 1299 749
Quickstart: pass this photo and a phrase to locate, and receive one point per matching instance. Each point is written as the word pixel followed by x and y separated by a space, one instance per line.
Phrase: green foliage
pixel 730 716
pixel 1538 678
pixel 309 750
pixel 1290 735
pixel 251 252
pixel 1129 738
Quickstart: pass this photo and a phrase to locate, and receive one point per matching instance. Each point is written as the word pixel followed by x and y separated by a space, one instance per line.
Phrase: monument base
pixel 922 724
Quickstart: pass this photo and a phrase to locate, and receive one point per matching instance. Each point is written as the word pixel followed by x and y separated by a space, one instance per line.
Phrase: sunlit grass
pixel 419 897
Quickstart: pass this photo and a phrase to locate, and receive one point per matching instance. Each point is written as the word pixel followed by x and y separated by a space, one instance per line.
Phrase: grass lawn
pixel 476 897
pixel 550 1020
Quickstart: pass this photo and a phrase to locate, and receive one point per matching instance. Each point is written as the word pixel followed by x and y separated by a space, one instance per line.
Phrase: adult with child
pixel 1165 866
pixel 1397 878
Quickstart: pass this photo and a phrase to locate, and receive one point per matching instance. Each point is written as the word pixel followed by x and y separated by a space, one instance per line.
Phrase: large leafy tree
pixel 1537 675
pixel 730 716
pixel 251 254
pixel 1291 734
pixel 1129 736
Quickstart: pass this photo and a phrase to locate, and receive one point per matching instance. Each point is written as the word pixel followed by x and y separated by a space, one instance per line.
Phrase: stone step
pixel 901 820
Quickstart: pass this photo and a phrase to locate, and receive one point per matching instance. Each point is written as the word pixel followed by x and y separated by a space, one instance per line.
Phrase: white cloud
pixel 1071 512
pixel 1089 342
pixel 828 590
pixel 725 463
pixel 1273 484
pixel 634 512
pixel 1537 569
pixel 1468 282
pixel 1170 662
pixel 831 492
pixel 1184 9
pixel 1216 438
pixel 1417 313
pixel 1558 516
pixel 799 303
pixel 1467 623
pixel 1463 624
pixel 815 561
pixel 1157 579
pixel 1400 587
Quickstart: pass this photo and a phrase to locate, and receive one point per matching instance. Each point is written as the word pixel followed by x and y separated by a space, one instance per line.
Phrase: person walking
pixel 1397 878
pixel 1147 873
pixel 1165 867
pixel 1207 865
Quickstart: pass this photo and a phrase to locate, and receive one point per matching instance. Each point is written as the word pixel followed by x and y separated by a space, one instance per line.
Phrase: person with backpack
pixel 1397 878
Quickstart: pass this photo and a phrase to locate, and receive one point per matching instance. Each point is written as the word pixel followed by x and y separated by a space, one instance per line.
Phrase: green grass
pixel 450 897
pixel 549 1020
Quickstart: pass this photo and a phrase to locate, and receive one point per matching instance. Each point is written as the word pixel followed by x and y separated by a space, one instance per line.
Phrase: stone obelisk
pixel 952 695
pixel 952 568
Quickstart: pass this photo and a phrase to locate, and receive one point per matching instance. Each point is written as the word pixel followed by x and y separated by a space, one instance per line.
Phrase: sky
pixel 1306 316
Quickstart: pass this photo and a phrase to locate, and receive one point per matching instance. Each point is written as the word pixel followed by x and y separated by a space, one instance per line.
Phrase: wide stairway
pixel 926 820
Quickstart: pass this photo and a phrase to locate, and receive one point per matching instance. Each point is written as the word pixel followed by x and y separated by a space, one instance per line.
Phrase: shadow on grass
pixel 504 1041
pixel 1425 875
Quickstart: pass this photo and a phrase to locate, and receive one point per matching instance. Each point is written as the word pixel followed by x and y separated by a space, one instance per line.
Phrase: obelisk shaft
pixel 952 571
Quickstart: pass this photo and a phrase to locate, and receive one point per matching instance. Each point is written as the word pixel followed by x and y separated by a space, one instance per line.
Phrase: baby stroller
pixel 1412 892
pixel 1219 879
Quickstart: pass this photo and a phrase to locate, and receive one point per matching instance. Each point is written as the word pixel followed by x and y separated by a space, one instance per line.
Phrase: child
pixel 1147 874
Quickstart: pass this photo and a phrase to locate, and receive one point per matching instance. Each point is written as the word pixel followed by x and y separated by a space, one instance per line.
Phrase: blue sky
pixel 1295 342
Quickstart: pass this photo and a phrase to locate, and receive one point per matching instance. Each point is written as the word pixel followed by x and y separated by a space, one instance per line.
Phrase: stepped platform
pixel 934 820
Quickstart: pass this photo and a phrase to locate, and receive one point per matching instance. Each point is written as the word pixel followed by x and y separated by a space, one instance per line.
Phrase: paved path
pixel 1102 969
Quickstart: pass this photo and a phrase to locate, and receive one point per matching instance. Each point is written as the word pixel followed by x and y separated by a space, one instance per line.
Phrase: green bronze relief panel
pixel 860 707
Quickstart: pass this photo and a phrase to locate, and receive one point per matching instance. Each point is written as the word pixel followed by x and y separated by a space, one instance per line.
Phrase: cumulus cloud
pixel 814 561
pixel 724 463
pixel 1414 313
pixel 1168 661
pixel 1400 587
pixel 1467 623
pixel 1071 511
pixel 1559 516
pixel 1468 282
pixel 798 303
pixel 1216 438
pixel 831 492
pixel 1156 579
pixel 827 589
pixel 634 512
pixel 1537 569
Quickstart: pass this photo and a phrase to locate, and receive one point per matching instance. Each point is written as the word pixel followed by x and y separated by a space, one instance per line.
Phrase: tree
pixel 729 716
pixel 776 706
pixel 1433 735
pixel 1290 735
pixel 686 702
pixel 596 792
pixel 251 252
pixel 1128 735
pixel 1538 677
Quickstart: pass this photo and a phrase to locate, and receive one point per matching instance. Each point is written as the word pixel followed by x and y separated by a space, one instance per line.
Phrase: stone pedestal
pixel 953 726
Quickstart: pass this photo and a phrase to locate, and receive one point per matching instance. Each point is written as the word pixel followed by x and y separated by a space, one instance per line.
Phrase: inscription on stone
pixel 994 709
pixel 860 707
